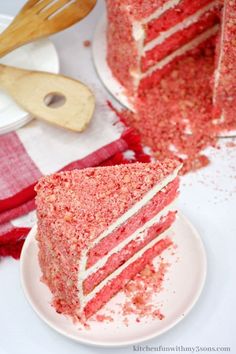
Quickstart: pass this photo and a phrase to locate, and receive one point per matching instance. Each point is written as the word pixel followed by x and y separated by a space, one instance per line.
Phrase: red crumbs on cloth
pixel 175 117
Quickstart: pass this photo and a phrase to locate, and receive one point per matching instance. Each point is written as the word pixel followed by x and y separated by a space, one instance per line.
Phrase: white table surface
pixel 208 199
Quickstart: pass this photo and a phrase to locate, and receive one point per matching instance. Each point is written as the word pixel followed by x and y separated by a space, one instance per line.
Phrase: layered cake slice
pixel 224 93
pixel 144 38
pixel 99 227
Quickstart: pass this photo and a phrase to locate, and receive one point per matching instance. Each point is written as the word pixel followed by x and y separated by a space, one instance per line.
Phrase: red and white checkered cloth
pixel 39 149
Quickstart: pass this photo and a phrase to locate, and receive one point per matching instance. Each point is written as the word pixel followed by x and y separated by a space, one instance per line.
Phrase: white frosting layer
pixel 139 36
pixel 117 272
pixel 138 31
pixel 82 268
pixel 179 26
pixel 138 234
pixel 182 50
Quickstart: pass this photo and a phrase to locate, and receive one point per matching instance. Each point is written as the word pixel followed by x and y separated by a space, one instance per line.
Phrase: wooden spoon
pixel 32 90
pixel 41 18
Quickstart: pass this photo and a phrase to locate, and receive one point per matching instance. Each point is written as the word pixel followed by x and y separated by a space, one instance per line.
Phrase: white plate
pixel 40 55
pixel 181 289
pixel 104 72
pixel 106 76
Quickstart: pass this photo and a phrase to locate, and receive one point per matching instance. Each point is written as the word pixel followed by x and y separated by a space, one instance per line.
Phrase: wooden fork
pixel 41 18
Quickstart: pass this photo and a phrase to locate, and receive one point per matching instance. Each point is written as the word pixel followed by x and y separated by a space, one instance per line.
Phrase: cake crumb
pixel 175 118
pixel 140 291
pixel 87 43
pixel 104 318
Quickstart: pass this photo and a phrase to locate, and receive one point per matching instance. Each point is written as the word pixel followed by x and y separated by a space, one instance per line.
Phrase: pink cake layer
pixel 156 204
pixel 117 259
pixel 225 73
pixel 153 79
pixel 207 20
pixel 173 16
pixel 115 285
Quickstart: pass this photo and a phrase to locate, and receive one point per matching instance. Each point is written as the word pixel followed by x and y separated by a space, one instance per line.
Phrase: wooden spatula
pixel 41 18
pixel 32 90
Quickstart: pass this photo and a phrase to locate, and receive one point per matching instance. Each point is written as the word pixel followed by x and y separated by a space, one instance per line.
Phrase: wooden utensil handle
pixel 9 75
pixel 16 35
pixel 8 42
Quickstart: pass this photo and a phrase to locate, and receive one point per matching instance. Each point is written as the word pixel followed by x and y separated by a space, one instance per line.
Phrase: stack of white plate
pixel 40 55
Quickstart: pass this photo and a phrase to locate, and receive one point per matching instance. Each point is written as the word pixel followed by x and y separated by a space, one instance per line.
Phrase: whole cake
pixel 144 38
pixel 99 227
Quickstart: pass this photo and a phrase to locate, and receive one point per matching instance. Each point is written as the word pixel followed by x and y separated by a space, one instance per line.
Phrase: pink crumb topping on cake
pixel 120 32
pixel 93 207
pixel 225 72
pixel 175 117
pixel 139 9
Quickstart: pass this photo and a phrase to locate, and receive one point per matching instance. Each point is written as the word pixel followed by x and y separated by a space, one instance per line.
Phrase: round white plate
pixel 99 49
pixel 181 289
pixel 106 76
pixel 40 55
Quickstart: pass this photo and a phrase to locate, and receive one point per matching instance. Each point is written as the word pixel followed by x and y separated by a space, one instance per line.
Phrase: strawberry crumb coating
pixel 138 9
pixel 175 117
pixel 225 72
pixel 78 209
pixel 121 32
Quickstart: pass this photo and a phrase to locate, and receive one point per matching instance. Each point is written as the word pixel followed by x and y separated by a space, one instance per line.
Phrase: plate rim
pixel 31 238
pixel 26 118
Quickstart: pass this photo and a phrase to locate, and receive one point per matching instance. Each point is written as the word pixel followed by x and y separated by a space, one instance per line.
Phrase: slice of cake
pixel 98 227
pixel 224 97
pixel 145 37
